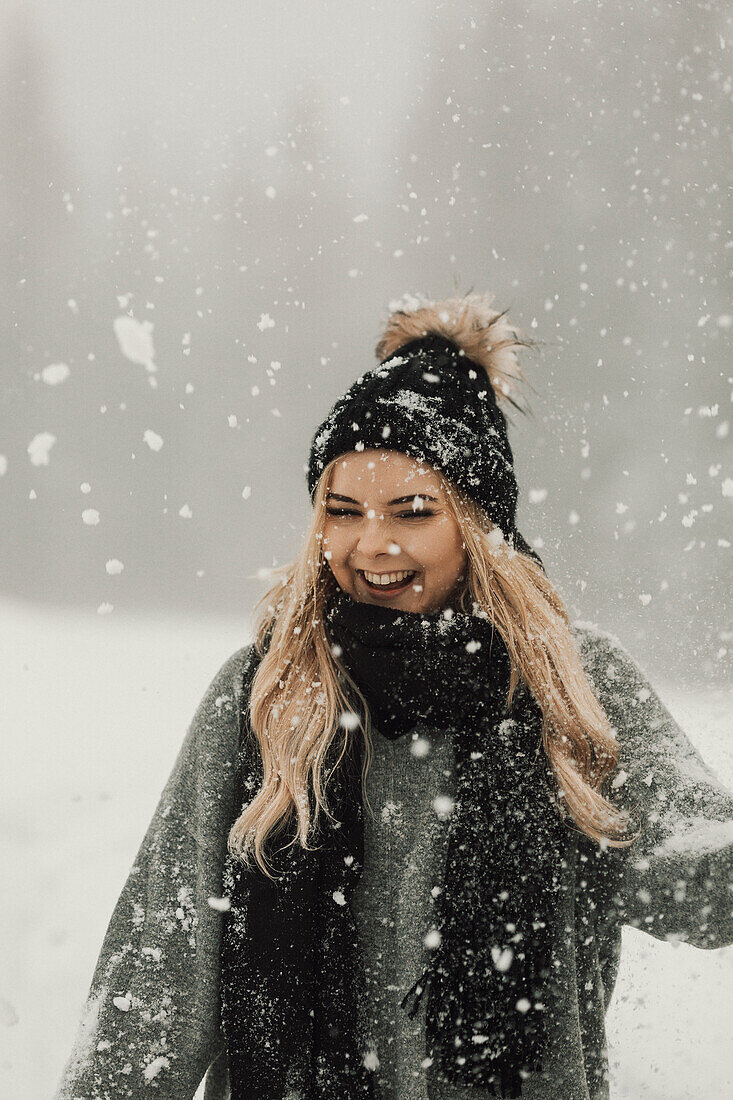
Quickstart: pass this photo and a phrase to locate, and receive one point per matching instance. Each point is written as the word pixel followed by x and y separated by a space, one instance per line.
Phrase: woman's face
pixel 386 515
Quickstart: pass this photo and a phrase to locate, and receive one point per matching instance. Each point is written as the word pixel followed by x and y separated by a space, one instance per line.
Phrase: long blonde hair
pixel 302 699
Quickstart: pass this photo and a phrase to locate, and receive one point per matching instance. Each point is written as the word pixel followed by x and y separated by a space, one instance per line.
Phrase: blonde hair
pixel 300 692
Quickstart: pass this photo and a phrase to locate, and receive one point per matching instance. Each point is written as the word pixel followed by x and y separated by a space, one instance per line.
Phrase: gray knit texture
pixel 151 1023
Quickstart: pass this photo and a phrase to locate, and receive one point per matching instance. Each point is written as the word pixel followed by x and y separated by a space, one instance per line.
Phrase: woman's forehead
pixel 383 473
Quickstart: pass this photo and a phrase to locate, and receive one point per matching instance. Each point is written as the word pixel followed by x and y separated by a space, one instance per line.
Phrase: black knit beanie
pixel 434 396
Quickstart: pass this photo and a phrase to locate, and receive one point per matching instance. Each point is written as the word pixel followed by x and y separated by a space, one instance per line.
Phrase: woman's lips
pixel 388 589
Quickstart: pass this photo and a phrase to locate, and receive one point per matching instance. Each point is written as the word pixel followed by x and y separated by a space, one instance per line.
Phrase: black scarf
pixel 292 970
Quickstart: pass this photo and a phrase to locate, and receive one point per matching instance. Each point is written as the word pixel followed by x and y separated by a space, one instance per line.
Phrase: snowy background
pixel 205 213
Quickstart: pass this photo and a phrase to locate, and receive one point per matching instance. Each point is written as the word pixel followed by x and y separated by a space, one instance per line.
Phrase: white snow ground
pixel 95 708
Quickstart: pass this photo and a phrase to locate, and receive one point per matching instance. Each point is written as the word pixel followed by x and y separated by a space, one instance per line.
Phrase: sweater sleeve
pixel 676 881
pixel 151 1020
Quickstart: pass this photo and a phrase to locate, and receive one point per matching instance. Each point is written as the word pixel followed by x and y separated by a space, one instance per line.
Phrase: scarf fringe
pixel 418 989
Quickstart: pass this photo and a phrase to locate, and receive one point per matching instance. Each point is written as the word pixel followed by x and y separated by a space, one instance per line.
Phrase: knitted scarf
pixel 292 971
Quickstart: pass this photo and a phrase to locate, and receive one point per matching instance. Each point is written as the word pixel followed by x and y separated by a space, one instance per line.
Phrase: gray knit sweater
pixel 151 1023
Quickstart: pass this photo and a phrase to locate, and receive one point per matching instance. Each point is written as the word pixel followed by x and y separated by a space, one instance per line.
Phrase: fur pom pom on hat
pixel 444 368
pixel 480 333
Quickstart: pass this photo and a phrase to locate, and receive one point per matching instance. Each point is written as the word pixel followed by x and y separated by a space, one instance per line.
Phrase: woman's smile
pixel 383 584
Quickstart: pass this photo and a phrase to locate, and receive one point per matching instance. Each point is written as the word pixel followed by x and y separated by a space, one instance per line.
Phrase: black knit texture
pixel 431 402
pixel 292 973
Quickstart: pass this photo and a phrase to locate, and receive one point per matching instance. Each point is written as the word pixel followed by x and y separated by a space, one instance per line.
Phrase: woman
pixel 532 794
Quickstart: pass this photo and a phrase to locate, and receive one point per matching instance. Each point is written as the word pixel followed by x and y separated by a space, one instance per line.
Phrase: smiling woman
pixel 380 551
pixel 533 794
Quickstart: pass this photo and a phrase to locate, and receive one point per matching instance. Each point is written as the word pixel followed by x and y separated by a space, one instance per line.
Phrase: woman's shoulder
pixel 221 704
pixel 232 673
pixel 233 670
pixel 617 678
pixel 601 650
pixel 589 635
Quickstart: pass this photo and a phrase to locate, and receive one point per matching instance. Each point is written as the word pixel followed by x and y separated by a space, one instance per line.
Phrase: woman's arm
pixel 151 1019
pixel 676 881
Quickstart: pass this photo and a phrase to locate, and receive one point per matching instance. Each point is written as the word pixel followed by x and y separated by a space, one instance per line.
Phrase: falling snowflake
pixel 420 747
pixel 432 939
pixel 55 373
pixel 221 905
pixel 39 448
pixel 443 805
pixel 153 440
pixel 502 958
pixel 136 341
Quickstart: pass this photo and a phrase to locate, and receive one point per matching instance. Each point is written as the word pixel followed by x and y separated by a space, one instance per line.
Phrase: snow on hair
pixel 295 725
pixel 483 334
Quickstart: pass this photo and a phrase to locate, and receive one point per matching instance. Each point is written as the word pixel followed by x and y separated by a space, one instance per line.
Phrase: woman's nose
pixel 374 538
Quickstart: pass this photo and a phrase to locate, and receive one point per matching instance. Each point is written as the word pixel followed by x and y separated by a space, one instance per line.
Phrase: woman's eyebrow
pixel 413 496
pixel 397 500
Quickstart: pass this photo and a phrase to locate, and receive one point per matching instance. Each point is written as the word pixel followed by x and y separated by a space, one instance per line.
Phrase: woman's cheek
pixel 421 546
pixel 334 550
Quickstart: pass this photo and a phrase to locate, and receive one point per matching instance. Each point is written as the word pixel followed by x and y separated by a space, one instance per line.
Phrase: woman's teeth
pixel 389 578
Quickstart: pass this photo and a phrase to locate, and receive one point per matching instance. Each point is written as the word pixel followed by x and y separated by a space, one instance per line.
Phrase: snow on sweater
pixel 151 1023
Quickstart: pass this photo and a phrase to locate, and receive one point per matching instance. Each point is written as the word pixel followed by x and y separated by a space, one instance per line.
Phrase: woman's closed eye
pixel 420 513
